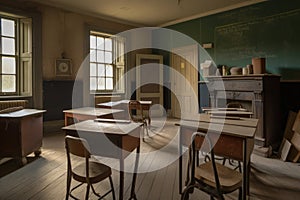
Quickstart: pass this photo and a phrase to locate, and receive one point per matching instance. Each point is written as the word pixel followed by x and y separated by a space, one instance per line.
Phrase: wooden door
pixel 184 82
pixel 149 79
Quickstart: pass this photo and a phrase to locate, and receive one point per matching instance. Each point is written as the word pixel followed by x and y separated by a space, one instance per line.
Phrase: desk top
pixel 119 128
pixel 243 127
pixel 207 109
pixel 91 111
pixel 115 103
pixel 238 121
pixel 22 113
pixel 229 112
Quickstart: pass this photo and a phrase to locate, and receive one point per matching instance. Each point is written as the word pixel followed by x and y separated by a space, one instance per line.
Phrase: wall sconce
pixel 208 45
pixel 182 65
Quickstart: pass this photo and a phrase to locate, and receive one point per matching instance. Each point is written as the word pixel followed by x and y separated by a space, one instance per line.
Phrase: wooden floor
pixel 45 177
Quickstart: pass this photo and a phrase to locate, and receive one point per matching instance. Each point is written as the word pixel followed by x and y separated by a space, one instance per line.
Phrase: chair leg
pixel 224 161
pixel 197 155
pixel 240 193
pixel 146 127
pixel 68 185
pixel 87 192
pixel 187 179
pixel 188 189
pixel 185 194
pixel 143 135
pixel 112 188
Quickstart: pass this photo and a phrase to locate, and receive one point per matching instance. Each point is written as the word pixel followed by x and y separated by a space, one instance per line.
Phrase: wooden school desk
pixel 113 140
pixel 236 141
pixel 86 113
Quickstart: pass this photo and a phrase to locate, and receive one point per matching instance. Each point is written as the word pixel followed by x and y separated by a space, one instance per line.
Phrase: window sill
pixel 106 94
pixel 14 97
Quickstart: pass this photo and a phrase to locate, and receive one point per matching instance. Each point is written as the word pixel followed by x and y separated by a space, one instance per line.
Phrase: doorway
pixel 184 82
pixel 149 81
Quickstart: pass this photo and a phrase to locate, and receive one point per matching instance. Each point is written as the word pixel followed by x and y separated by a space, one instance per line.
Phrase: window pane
pixel 8 65
pixel 101 70
pixel 109 83
pixel 109 70
pixel 93 56
pixel 100 43
pixel 93 84
pixel 8 27
pixel 101 83
pixel 108 44
pixel 93 42
pixel 108 57
pixel 92 69
pixel 8 83
pixel 8 46
pixel 100 56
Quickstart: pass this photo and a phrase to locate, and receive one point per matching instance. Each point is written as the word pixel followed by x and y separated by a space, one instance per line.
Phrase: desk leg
pixel 132 193
pixel 121 190
pixel 245 170
pixel 180 167
pixel 66 120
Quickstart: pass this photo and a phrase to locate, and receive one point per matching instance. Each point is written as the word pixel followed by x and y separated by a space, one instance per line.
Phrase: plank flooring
pixel 45 177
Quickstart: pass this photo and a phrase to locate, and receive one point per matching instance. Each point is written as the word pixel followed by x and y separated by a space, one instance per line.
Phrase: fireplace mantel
pixel 260 94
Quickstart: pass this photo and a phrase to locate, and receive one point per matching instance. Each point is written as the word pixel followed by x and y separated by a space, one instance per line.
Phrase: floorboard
pixel 45 177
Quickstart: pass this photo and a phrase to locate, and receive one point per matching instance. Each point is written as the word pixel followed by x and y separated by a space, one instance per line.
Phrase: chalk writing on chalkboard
pixel 260 37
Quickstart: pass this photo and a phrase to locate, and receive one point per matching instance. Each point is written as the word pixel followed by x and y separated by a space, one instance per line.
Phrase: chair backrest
pixel 234 105
pixel 77 146
pixel 135 106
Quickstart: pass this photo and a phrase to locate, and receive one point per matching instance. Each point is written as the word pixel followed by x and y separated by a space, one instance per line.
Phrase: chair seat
pixel 230 179
pixel 136 118
pixel 97 172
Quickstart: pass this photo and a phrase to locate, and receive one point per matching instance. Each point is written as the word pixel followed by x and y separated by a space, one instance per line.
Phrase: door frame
pixel 139 95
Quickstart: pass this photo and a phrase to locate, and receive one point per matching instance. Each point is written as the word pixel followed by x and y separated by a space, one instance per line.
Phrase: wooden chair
pixel 210 177
pixel 234 105
pixel 231 161
pixel 136 114
pixel 87 171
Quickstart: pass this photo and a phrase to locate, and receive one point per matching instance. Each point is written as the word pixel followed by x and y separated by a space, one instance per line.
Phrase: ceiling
pixel 148 12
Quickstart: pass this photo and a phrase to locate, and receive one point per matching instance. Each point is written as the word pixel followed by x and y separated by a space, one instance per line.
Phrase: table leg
pixel 132 193
pixel 180 166
pixel 245 169
pixel 66 120
pixel 121 188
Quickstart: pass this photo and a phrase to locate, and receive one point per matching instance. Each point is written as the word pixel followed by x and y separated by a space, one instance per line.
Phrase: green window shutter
pixel 25 57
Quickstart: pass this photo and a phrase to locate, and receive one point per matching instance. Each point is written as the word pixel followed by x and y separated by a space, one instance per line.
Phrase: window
pixel 8 55
pixel 15 56
pixel 107 63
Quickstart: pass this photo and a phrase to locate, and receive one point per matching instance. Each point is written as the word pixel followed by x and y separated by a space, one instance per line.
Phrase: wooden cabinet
pixel 260 94
pixel 21 133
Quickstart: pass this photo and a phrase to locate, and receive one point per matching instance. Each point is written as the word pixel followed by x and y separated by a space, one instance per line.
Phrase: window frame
pixel 118 67
pixel 25 54
pixel 16 56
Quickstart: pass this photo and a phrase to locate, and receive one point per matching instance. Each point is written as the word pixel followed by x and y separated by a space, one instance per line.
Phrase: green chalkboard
pixel 270 29
pixel 272 37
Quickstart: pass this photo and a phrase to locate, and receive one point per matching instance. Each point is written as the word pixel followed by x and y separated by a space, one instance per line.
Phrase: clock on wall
pixel 63 67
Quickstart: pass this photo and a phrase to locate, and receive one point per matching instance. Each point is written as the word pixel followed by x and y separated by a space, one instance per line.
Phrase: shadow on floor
pixel 9 165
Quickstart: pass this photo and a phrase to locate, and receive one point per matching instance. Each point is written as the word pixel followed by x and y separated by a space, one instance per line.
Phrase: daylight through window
pixel 106 63
pixel 15 56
